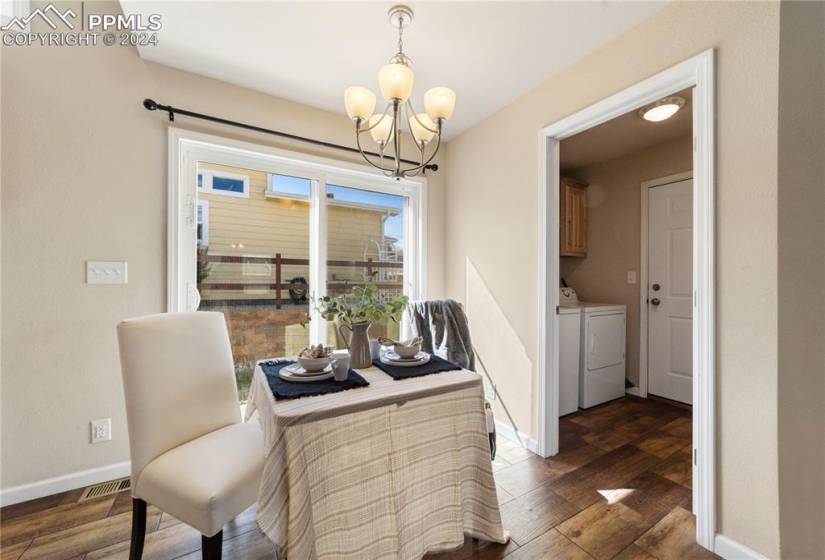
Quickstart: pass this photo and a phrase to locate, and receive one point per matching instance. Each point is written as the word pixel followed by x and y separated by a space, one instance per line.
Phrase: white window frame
pixel 209 176
pixel 187 148
pixel 204 205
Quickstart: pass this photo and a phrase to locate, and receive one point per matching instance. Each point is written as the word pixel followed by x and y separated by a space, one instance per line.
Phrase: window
pixel 227 184
pixel 223 182
pixel 287 186
pixel 365 243
pixel 283 229
pixel 252 269
pixel 203 222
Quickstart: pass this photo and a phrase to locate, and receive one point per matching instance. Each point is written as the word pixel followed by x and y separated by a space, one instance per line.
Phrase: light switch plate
pixel 631 276
pixel 106 272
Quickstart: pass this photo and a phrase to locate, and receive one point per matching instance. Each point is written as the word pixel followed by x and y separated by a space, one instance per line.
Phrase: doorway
pixel 696 73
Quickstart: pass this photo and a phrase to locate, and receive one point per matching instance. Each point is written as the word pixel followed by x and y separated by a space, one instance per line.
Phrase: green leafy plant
pixel 363 304
pixel 203 265
pixel 243 378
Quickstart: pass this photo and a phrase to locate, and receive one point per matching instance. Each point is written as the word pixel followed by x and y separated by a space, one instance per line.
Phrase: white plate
pixel 394 357
pixel 419 360
pixel 296 369
pixel 287 375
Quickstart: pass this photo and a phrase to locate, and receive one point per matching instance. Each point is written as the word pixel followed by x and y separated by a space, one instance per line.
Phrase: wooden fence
pixel 277 283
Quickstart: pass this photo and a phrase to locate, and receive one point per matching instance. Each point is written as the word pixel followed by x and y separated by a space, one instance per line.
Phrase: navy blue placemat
pixel 435 365
pixel 292 389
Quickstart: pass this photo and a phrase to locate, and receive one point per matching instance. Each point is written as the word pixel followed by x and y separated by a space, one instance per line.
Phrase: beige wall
pixel 802 280
pixel 614 230
pixel 492 246
pixel 84 178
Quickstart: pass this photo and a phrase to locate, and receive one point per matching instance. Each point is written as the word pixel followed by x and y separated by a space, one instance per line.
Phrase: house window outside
pixel 288 186
pixel 203 223
pixel 227 184
pixel 224 183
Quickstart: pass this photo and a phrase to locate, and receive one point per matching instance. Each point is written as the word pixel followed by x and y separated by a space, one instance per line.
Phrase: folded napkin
pixel 435 365
pixel 282 389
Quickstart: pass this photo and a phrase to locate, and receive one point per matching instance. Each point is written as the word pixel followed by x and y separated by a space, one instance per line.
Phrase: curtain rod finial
pixel 150 104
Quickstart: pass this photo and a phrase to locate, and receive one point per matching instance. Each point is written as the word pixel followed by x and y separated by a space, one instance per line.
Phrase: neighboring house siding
pixel 264 226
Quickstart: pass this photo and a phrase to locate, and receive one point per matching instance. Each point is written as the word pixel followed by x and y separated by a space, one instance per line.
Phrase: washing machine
pixel 602 353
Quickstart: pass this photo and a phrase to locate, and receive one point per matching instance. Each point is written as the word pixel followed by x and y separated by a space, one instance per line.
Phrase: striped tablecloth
pixel 391 471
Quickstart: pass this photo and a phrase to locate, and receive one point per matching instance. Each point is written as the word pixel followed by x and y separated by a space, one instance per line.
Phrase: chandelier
pixel 395 80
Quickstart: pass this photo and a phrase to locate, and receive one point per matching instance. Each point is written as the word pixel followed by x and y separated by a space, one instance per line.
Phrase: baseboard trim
pixel 729 549
pixel 633 391
pixel 63 483
pixel 516 436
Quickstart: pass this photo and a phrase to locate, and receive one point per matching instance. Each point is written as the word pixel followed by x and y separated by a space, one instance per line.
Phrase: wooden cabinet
pixel 572 218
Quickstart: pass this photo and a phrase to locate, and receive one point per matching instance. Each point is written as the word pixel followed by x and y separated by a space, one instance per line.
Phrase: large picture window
pixel 302 228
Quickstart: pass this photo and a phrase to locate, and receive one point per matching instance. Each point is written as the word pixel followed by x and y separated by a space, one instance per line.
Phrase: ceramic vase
pixel 358 343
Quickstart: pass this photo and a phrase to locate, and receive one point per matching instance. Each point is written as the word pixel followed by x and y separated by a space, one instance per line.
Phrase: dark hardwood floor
pixel 619 488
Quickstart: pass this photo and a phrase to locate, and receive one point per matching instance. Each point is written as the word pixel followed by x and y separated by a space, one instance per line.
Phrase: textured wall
pixel 802 280
pixel 84 178
pixel 492 223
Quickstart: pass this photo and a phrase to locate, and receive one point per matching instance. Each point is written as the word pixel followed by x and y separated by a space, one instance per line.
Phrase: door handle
pixel 655 301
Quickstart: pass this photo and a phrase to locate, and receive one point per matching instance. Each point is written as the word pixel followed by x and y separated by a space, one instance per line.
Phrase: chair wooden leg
pixel 212 547
pixel 138 529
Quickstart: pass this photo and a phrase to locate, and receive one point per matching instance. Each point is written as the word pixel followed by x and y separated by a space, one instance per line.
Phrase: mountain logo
pixel 47 14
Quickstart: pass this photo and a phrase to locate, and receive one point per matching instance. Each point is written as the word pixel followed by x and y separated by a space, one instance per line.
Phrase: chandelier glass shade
pixel 396 80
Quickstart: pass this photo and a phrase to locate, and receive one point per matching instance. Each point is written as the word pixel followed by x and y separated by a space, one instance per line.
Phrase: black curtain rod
pixel 152 105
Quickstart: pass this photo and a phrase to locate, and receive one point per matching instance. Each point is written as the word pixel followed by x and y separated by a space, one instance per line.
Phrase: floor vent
pixel 105 489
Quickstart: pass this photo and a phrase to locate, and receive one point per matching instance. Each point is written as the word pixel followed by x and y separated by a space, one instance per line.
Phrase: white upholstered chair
pixel 192 456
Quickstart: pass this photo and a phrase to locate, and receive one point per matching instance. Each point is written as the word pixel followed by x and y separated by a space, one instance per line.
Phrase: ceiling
pixel 624 135
pixel 488 52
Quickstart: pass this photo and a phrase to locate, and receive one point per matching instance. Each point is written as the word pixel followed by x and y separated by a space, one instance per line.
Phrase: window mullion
pixel 317 257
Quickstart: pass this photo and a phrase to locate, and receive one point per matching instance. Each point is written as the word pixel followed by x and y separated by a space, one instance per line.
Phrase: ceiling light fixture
pixel 662 109
pixel 396 83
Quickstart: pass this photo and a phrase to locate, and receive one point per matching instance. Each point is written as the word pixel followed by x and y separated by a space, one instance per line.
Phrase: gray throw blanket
pixel 443 326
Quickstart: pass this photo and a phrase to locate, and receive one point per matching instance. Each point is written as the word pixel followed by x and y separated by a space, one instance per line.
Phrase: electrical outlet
pixel 101 430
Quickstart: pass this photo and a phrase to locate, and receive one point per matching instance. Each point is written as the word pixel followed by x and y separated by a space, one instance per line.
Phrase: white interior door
pixel 670 291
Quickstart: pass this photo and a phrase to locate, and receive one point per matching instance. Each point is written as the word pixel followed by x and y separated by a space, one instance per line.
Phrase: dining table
pixel 392 470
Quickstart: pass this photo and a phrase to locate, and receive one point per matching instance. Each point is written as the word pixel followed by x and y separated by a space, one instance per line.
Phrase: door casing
pixel 697 72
